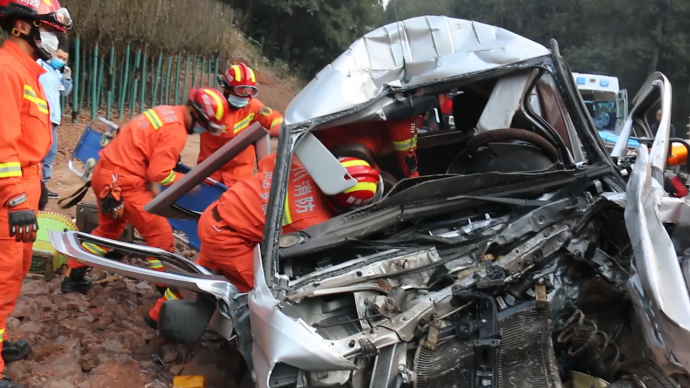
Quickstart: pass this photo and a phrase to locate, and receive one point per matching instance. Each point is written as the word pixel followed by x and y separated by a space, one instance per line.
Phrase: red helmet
pixel 368 180
pixel 240 79
pixel 209 107
pixel 44 11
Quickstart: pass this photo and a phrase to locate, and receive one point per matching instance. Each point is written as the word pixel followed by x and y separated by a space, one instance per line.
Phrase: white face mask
pixel 237 102
pixel 49 42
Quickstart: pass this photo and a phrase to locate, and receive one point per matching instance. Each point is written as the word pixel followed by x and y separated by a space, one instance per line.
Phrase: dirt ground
pixel 100 340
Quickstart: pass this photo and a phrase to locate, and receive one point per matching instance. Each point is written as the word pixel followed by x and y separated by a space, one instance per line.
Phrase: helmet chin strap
pixel 31 38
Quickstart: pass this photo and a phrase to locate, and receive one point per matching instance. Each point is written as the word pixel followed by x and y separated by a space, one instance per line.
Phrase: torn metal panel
pixel 657 289
pixel 407 54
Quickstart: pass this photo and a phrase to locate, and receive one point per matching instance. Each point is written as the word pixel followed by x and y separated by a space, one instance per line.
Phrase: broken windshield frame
pixel 291 134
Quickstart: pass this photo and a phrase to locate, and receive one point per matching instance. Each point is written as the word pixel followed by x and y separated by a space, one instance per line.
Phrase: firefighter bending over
pixel 233 226
pixel 376 136
pixel 145 151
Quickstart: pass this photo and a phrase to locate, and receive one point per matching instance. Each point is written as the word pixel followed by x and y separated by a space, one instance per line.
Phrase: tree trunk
pixel 656 50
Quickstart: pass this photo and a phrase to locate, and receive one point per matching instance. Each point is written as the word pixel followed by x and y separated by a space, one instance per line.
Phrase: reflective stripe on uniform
pixel 363 186
pixel 352 163
pixel 405 144
pixel 155 263
pixel 30 95
pixel 2 335
pixel 10 169
pixel 169 295
pixel 168 179
pixel 275 122
pixel 153 118
pixel 244 123
pixel 93 248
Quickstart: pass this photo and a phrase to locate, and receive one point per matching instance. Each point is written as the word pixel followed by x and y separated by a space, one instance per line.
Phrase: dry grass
pixel 190 26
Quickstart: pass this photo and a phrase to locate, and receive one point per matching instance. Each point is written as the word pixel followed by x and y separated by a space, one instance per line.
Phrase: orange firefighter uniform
pixel 145 151
pixel 377 136
pixel 25 137
pixel 233 226
pixel 242 166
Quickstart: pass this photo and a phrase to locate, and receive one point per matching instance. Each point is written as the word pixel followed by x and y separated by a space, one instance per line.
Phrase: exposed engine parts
pixel 436 305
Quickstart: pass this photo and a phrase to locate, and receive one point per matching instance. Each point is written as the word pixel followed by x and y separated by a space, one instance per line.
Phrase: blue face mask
pixel 198 129
pixel 56 63
pixel 237 102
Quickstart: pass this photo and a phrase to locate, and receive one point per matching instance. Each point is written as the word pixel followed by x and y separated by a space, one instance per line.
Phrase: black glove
pixel 22 221
pixel 44 197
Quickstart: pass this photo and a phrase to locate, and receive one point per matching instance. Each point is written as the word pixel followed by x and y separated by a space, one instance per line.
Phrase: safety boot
pixel 76 281
pixel 15 350
pixel 5 382
pixel 150 322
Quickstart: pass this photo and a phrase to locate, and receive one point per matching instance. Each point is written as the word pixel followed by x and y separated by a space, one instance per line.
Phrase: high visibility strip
pixel 219 104
pixel 405 144
pixel 155 264
pixel 2 335
pixel 236 72
pixel 275 122
pixel 10 169
pixel 352 163
pixel 363 186
pixel 168 179
pixel 251 75
pixel 287 217
pixel 153 118
pixel 30 95
pixel 244 123
pixel 169 295
pixel 93 248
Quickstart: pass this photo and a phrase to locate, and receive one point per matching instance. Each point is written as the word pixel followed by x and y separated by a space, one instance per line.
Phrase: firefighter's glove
pixel 22 219
pixel 111 201
pixel 44 197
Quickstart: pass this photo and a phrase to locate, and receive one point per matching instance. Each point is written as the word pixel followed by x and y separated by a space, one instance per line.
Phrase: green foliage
pixel 625 38
pixel 306 34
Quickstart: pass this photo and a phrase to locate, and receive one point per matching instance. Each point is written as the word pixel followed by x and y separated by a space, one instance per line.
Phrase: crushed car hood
pixel 407 54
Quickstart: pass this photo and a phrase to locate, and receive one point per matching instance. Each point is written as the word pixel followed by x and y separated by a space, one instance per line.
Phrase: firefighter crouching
pixel 146 150
pixel 376 136
pixel 239 88
pixel 25 138
pixel 231 227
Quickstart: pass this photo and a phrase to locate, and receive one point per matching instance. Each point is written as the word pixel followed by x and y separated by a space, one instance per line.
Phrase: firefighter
pixel 231 227
pixel 25 138
pixel 145 151
pixel 377 136
pixel 239 88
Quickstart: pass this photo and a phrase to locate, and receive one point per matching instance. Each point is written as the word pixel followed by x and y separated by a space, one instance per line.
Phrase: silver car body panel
pixel 657 286
pixel 405 55
pixel 302 348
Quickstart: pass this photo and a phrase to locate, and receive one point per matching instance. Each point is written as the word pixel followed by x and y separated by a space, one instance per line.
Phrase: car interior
pixel 515 122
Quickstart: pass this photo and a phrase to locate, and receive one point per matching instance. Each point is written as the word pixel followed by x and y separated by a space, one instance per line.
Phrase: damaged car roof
pixel 435 48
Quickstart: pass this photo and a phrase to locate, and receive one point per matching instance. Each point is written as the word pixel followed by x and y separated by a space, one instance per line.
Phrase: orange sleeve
pixel 166 154
pixel 403 134
pixel 11 92
pixel 269 119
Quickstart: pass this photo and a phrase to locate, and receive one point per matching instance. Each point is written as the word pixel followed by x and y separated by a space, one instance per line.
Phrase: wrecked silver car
pixel 512 261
